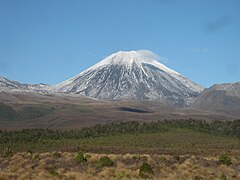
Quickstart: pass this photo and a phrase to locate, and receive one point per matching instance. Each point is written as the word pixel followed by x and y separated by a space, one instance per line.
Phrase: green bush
pixel 123 175
pixel 35 157
pixel 224 159
pixel 223 177
pixel 80 158
pixel 146 171
pixel 7 152
pixel 104 162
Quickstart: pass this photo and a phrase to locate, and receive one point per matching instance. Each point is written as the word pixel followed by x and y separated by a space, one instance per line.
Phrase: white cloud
pixel 151 55
pixel 148 54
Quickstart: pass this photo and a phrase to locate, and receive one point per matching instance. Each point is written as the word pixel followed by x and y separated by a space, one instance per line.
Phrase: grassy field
pixel 175 136
pixel 174 141
pixel 158 150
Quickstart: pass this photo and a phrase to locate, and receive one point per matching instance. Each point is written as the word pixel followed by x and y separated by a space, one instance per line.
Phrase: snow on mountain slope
pixel 132 75
pixel 8 85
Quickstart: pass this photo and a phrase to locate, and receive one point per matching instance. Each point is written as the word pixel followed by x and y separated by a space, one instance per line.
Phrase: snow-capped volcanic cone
pixel 132 75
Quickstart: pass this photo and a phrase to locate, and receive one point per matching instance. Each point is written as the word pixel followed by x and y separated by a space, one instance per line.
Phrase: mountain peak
pixel 130 57
pixel 140 56
pixel 132 75
pixel 134 58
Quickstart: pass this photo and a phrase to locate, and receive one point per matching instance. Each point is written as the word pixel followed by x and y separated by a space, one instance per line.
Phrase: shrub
pixel 136 157
pixel 52 170
pixel 7 152
pixel 29 152
pixel 223 177
pixel 162 158
pixel 176 158
pixel 224 159
pixel 104 162
pixel 35 157
pixel 123 175
pixel 80 158
pixel 87 156
pixel 57 154
pixel 146 171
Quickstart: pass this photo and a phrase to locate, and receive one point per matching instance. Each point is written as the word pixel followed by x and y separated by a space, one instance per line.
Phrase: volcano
pixel 132 76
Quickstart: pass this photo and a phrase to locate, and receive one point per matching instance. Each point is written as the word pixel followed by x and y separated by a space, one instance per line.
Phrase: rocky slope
pixel 132 75
pixel 8 85
pixel 220 97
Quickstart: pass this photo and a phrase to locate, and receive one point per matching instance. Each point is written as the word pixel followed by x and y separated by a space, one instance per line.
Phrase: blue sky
pixel 49 41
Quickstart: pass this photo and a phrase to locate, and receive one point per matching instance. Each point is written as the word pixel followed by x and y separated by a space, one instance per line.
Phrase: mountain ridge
pixel 220 97
pixel 9 85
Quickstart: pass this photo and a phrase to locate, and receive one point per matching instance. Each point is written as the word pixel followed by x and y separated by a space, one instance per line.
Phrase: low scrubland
pixel 68 165
pixel 177 149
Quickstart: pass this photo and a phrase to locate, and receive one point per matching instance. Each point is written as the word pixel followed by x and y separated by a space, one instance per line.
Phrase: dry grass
pixel 49 166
